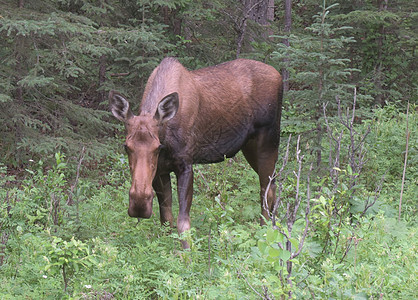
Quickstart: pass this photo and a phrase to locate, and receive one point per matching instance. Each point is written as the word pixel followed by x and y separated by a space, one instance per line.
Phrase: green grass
pixel 368 257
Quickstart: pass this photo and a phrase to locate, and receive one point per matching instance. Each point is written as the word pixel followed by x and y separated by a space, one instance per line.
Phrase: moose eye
pixel 160 147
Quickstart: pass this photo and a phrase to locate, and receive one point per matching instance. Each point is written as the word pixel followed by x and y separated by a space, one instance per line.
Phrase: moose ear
pixel 119 107
pixel 167 108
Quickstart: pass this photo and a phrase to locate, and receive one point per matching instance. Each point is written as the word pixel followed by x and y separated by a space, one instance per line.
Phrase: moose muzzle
pixel 140 204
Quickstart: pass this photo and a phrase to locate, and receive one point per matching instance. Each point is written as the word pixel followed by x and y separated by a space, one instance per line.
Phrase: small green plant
pixel 45 193
pixel 7 224
pixel 272 250
pixel 68 257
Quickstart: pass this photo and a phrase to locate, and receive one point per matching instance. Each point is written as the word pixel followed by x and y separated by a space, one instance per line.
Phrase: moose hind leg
pixel 261 153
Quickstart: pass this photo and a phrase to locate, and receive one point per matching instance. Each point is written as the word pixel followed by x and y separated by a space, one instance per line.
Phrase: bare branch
pixel 299 159
pixel 406 159
pixel 251 287
pixel 279 176
pixel 307 212
pixel 240 26
pixel 354 108
pixel 199 172
pixel 356 150
pixel 334 163
pixel 4 234
pixel 80 161
pixel 377 191
pixel 120 74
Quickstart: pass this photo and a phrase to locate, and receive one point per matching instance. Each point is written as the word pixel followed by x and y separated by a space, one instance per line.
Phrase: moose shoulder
pixel 202 116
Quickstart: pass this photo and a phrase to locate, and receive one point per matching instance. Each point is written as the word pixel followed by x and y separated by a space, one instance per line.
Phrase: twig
pixel 377 191
pixel 119 74
pixel 405 162
pixel 307 212
pixel 4 235
pixel 55 208
pixel 291 215
pixel 251 287
pixel 356 152
pixel 241 26
pixel 204 179
pixel 209 262
pixel 279 176
pixel 291 211
pixel 70 196
pixel 299 160
pixel 333 164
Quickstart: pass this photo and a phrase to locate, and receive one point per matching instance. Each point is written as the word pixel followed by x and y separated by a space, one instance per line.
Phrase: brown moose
pixel 202 116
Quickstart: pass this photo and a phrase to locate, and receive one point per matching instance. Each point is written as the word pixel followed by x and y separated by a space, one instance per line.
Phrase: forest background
pixel 346 224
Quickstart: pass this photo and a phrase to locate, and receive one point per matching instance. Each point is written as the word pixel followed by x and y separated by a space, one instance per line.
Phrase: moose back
pixel 202 116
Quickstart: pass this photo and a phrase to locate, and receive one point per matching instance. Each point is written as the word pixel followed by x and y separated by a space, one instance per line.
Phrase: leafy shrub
pixel 346 254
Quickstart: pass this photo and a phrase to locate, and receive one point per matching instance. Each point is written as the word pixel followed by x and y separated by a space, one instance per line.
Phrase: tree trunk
pixel 102 77
pixel 287 29
pixel 171 19
pixel 379 98
pixel 20 48
pixel 260 11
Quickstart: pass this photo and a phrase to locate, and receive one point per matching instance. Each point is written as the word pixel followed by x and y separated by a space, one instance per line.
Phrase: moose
pixel 199 117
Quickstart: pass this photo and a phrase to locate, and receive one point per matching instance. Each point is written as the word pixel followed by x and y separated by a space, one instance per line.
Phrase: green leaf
pixel 349 170
pixel 262 246
pixel 271 235
pixel 274 252
pixel 271 259
pixel 285 255
pixel 295 243
pixel 274 279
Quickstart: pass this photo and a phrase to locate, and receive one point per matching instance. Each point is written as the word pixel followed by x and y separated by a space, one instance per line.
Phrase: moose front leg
pixel 185 194
pixel 162 187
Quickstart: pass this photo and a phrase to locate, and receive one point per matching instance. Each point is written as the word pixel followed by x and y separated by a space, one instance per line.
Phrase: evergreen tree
pixel 57 59
pixel 386 37
pixel 318 73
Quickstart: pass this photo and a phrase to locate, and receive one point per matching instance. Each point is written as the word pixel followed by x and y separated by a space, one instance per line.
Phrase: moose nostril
pixel 140 210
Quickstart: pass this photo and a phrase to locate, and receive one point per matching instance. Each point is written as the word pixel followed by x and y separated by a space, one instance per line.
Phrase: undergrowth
pixel 91 249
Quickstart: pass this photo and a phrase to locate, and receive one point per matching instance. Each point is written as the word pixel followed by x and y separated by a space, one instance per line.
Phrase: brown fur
pixel 210 114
